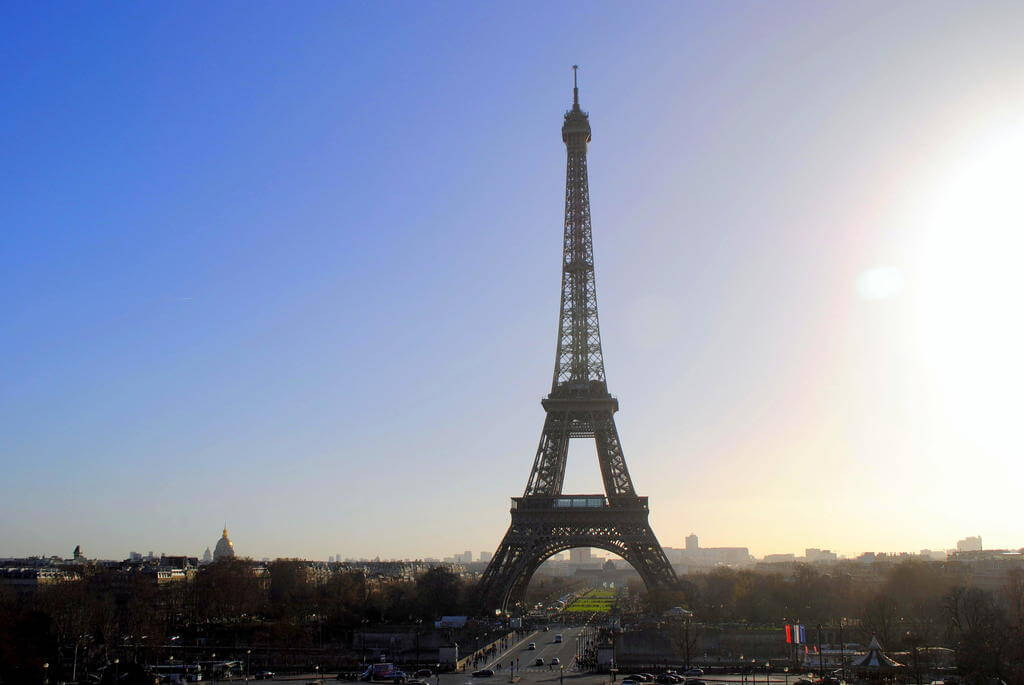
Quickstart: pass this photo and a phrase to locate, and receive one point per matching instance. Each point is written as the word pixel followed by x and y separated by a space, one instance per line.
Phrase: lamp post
pixel 46 671
pixel 117 670
pixel 912 640
pixel 248 652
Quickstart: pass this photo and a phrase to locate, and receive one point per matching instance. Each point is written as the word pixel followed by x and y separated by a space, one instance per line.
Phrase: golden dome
pixel 224 548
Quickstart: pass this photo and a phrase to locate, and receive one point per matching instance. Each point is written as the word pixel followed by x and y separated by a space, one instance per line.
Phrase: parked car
pixel 423 673
pixel 628 681
pixel 638 678
pixel 693 672
pixel 538 661
pixel 532 645
pixel 554 661
pixel 265 675
pixel 665 679
pixel 483 673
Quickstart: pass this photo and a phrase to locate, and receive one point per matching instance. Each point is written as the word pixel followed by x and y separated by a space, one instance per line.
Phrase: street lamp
pixel 46 671
pixel 247 653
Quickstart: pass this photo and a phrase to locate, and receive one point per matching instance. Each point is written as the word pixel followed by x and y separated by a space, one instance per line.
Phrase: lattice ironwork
pixel 579 406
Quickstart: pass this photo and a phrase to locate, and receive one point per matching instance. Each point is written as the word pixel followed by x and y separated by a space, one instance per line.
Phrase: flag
pixel 789 634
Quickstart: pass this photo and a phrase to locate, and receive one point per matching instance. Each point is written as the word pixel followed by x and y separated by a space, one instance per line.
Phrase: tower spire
pixel 575 88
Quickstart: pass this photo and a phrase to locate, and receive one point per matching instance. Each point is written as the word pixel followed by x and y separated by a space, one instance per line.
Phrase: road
pixel 565 651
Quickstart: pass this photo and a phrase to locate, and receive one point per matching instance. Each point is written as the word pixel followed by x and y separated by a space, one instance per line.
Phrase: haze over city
pixel 295 269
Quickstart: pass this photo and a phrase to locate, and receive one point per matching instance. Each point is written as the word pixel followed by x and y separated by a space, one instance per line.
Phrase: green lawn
pixel 594 601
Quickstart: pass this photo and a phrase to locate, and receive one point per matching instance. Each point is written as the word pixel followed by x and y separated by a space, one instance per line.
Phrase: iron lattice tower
pixel 544 520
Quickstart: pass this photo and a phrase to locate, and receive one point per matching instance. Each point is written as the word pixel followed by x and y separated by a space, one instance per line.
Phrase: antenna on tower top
pixel 575 89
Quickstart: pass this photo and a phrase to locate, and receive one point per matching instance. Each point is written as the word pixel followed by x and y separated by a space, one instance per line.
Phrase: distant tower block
pixel 545 521
pixel 692 545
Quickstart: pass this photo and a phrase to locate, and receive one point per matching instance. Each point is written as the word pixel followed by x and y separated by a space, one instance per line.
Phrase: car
pixel 532 645
pixel 558 638
pixel 423 673
pixel 416 681
pixel 638 678
pixel 546 629
pixel 483 673
pixel 693 672
pixel 627 681
pixel 665 679
pixel 554 661
pixel 538 661
pixel 265 675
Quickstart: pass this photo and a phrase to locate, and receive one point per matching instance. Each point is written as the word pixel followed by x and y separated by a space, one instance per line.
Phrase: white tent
pixel 874 658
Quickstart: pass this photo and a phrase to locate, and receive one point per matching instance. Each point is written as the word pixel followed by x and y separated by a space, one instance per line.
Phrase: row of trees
pixel 116 613
pixel 907 606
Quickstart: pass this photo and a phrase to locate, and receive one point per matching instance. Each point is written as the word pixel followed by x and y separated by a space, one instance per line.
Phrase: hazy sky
pixel 295 267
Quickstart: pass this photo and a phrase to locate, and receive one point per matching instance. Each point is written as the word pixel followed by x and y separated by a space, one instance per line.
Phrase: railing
pixel 576 502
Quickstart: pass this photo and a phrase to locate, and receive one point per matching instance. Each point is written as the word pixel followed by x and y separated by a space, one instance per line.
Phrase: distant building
pixel 485 556
pixel 24 580
pixel 933 555
pixel 207 556
pixel 972 544
pixel 814 555
pixel 695 555
pixel 779 558
pixel 224 548
pixel 579 555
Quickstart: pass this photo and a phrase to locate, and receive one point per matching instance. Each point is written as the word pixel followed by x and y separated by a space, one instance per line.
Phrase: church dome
pixel 224 548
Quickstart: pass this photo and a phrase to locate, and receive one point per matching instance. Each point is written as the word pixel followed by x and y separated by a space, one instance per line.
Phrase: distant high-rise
pixel 579 555
pixel 485 556
pixel 971 544
pixel 692 544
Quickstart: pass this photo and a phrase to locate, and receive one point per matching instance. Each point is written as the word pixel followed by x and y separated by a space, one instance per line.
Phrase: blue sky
pixel 295 268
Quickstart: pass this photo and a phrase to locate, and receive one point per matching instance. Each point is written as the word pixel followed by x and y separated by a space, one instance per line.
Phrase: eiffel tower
pixel 544 520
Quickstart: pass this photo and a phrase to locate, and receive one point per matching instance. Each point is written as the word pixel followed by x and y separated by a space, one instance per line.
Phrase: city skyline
pixel 297 270
pixel 575 555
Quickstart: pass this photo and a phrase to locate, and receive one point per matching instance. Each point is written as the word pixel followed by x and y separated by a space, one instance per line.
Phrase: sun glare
pixel 970 326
